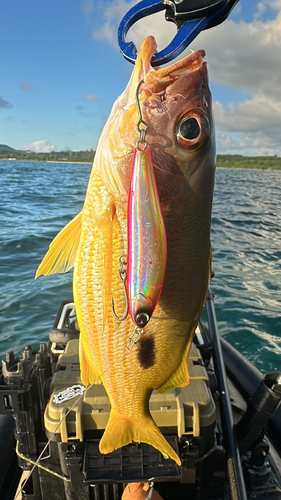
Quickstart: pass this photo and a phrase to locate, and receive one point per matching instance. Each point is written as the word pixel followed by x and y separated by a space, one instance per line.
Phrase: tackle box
pixel 182 411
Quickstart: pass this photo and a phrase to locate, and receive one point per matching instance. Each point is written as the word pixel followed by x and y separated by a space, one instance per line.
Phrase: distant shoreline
pixel 250 168
pixel 48 161
pixel 87 157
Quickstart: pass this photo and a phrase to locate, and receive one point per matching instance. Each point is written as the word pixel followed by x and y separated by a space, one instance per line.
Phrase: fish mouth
pixel 157 80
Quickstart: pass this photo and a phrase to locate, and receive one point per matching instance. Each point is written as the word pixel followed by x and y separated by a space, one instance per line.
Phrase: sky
pixel 61 71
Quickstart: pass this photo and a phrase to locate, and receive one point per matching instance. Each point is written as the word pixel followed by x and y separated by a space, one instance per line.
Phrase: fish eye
pixel 189 128
pixel 192 130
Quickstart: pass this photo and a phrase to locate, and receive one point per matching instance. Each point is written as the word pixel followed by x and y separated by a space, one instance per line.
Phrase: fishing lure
pixel 147 244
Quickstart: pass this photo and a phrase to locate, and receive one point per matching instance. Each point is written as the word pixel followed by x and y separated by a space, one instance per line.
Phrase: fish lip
pixel 157 80
pixel 189 63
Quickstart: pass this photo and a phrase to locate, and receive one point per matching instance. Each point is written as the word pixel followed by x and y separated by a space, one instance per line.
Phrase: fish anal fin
pixel 61 255
pixel 88 372
pixel 180 377
pixel 121 431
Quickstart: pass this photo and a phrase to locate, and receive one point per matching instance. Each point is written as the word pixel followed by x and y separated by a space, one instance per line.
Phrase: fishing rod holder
pixel 250 430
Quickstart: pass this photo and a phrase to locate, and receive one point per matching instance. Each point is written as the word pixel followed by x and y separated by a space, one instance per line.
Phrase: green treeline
pixel 249 162
pixel 66 156
pixel 223 161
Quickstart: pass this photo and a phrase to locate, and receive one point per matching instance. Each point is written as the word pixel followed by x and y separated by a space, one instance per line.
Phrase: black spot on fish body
pixel 146 351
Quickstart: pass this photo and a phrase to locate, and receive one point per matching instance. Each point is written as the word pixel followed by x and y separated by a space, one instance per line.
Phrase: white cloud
pixel 261 8
pixel 113 13
pixel 248 145
pixel 87 7
pixel 245 56
pixel 90 98
pixel 249 61
pixel 26 86
pixel 152 25
pixel 40 147
pixel 250 115
pixel 275 4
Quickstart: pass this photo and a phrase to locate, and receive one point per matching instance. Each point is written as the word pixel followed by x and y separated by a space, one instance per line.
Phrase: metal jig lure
pixel 147 246
pixel 143 273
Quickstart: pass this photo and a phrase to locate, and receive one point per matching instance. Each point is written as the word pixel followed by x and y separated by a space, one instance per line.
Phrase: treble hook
pixel 123 278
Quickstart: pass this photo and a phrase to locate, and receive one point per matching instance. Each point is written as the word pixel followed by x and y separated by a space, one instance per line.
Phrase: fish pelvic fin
pixel 61 255
pixel 180 377
pixel 88 372
pixel 121 431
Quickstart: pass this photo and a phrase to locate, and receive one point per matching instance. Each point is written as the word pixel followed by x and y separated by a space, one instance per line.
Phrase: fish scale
pixel 93 242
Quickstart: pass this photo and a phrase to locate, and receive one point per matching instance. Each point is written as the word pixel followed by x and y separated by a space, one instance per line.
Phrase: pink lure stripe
pixel 147 244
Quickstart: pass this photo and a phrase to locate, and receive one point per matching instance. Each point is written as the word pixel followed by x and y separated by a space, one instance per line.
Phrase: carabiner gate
pixel 190 21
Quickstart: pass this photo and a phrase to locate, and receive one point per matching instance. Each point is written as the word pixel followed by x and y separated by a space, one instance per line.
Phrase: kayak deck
pixel 44 394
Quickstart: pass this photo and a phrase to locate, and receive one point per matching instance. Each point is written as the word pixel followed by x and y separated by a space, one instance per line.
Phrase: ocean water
pixel 38 199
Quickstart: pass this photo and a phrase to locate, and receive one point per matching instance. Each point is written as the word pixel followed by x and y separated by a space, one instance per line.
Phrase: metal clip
pixel 150 492
pixel 134 338
pixel 190 17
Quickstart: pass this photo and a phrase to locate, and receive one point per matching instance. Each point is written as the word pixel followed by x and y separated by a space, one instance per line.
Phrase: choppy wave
pixel 38 199
pixel 246 240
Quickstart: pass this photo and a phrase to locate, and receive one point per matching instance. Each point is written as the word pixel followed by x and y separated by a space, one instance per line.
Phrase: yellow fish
pixel 176 104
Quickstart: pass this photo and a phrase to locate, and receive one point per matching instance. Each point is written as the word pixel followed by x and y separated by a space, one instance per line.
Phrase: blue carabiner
pixel 188 31
pixel 190 24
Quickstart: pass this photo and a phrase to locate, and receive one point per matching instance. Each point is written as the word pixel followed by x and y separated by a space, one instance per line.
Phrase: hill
pixel 3 147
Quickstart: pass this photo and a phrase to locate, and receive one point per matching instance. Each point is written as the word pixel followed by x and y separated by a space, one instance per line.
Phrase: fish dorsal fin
pixel 61 255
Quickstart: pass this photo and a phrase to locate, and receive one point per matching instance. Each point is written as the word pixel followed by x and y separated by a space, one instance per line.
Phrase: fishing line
pixel 35 464
pixel 131 343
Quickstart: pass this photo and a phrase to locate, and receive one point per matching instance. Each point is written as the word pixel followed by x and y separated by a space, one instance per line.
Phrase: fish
pixel 176 104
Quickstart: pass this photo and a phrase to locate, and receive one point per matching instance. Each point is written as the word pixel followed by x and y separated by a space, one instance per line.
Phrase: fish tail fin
pixel 121 431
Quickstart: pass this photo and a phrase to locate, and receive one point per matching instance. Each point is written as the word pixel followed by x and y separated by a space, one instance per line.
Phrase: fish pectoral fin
pixel 88 372
pixel 63 249
pixel 121 431
pixel 180 377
